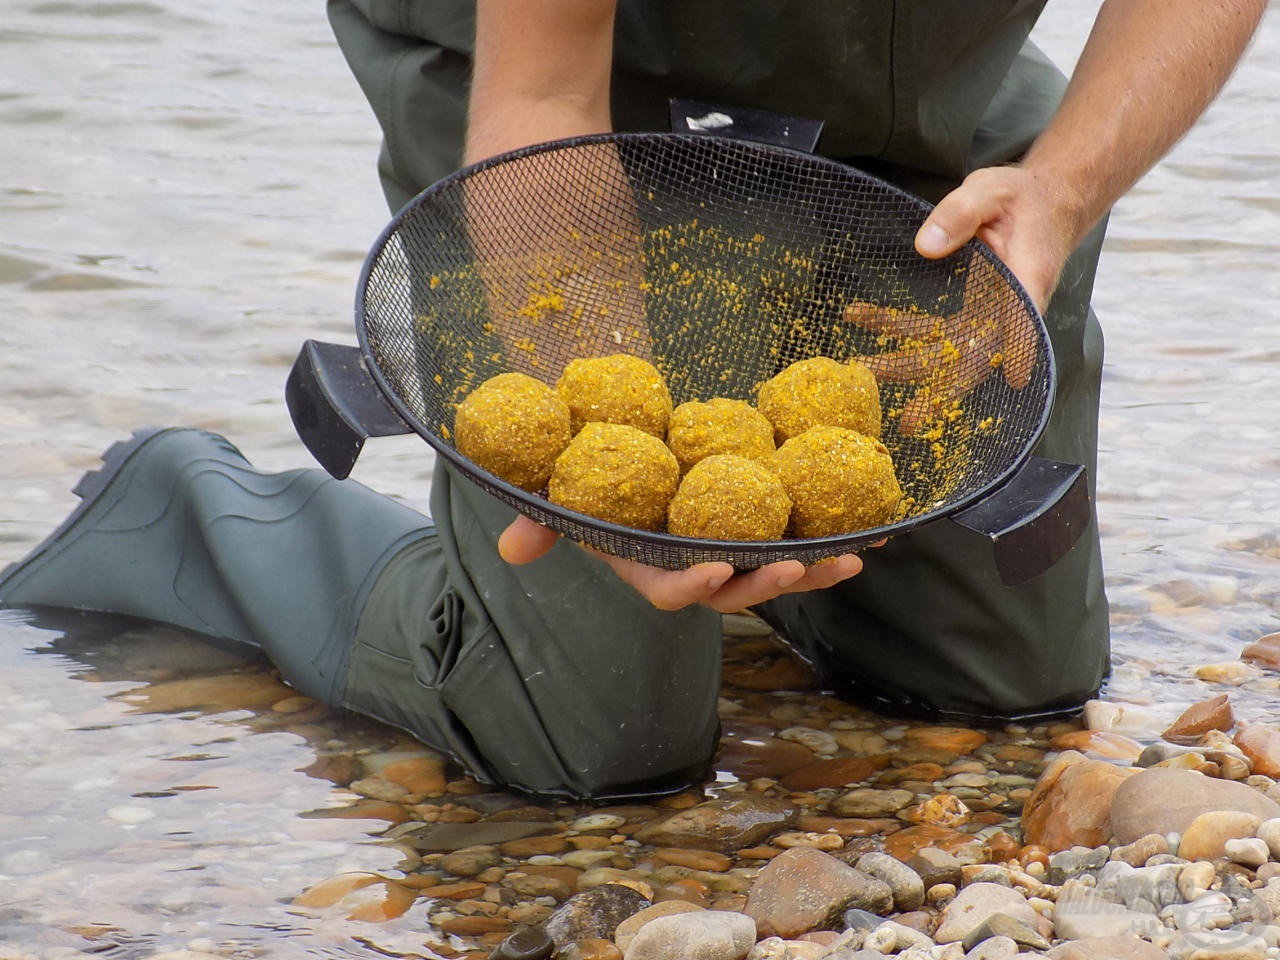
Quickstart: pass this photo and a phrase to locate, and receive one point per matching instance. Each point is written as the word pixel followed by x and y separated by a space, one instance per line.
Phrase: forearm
pixel 1148 71
pixel 541 72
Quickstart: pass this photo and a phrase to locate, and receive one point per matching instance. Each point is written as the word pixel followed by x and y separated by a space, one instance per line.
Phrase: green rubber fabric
pixel 919 94
pixel 179 528
pixel 555 677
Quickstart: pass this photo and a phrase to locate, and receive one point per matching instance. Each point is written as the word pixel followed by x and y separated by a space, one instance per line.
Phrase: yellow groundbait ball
pixel 701 430
pixel 839 481
pixel 821 392
pixel 515 427
pixel 726 497
pixel 617 473
pixel 616 389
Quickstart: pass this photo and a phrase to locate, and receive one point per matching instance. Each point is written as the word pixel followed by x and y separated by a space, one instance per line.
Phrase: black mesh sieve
pixel 722 261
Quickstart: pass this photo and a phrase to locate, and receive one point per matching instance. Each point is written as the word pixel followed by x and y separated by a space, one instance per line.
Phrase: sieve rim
pixel 571 523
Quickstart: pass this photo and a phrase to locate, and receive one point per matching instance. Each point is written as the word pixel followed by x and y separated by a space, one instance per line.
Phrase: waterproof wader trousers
pixel 555 677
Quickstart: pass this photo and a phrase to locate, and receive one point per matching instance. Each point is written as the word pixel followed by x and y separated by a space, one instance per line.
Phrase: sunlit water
pixel 187 194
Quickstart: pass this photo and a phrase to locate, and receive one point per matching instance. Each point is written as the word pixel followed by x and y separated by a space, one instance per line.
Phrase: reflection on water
pixel 176 794
pixel 190 194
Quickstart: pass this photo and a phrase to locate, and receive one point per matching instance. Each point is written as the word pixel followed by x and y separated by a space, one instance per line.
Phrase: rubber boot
pixel 179 528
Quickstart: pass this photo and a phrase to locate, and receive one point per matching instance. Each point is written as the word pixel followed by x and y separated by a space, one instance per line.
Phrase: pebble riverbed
pixel 827 833
pixel 190 192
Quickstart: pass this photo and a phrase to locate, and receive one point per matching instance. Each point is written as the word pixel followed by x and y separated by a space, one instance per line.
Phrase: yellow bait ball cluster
pixel 821 392
pixel 718 426
pixel 515 427
pixel 726 497
pixel 838 480
pixel 616 473
pixel 595 444
pixel 616 389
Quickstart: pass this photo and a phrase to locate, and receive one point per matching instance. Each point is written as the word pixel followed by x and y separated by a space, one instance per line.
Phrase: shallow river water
pixel 187 193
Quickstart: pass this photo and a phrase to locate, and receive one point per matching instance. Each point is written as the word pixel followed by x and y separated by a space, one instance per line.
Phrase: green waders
pixel 555 677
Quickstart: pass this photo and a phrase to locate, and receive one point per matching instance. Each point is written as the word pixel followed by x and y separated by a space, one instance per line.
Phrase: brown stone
pixel 422 775
pixel 951 740
pixel 1199 718
pixel 595 948
pixel 560 871
pixel 1206 835
pixel 450 891
pixel 255 692
pixel 362 810
pixel 1166 801
pixel 474 926
pixel 758 853
pixel 1101 744
pixel 837 772
pixel 707 860
pixel 805 889
pixel 1071 803
pixel 907 843
pixel 719 824
pixel 1261 744
pixel 848 826
pixel 361 896
pixel 629 927
pixel 533 847
pixel 1264 652
pixel 783 674
pixel 328 892
pixel 923 772
pixel 1001 847
pixel 943 810
pixel 1018 753
pixel 590 843
pixel 753 757
pixel 1123 947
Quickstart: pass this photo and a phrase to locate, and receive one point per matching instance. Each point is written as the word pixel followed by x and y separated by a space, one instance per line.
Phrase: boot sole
pixel 88 488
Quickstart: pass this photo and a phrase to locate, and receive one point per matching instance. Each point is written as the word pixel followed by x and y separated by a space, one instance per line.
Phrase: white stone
pixel 1124 719
pixel 891 937
pixel 1248 851
pixel 598 821
pixel 701 935
pixel 975 904
pixel 128 813
pixel 1194 880
pixel 1084 914
pixel 1212 911
pixel 1269 833
pixel 819 741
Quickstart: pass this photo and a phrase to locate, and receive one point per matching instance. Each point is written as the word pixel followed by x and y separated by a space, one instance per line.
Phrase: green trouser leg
pixel 362 603
pixel 553 677
pixel 927 627
pixel 179 528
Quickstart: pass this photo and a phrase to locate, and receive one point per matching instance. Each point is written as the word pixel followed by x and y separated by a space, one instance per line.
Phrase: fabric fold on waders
pixel 555 677
pixel 186 532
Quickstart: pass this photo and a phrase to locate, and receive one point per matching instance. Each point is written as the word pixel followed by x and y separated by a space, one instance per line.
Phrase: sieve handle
pixel 1034 520
pixel 336 405
pixel 744 123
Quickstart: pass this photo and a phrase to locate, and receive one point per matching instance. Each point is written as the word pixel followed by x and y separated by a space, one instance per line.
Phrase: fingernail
pixel 932 240
pixel 787 579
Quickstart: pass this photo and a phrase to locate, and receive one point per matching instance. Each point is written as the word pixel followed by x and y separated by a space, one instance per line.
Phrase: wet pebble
pixel 803 889
pixel 697 935
pixel 594 914
pixel 905 885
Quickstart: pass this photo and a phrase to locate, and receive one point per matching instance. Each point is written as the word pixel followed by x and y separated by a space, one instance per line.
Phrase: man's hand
pixel 1017 214
pixel 712 584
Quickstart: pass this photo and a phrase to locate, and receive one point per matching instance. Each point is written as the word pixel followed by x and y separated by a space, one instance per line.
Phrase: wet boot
pixel 179 528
